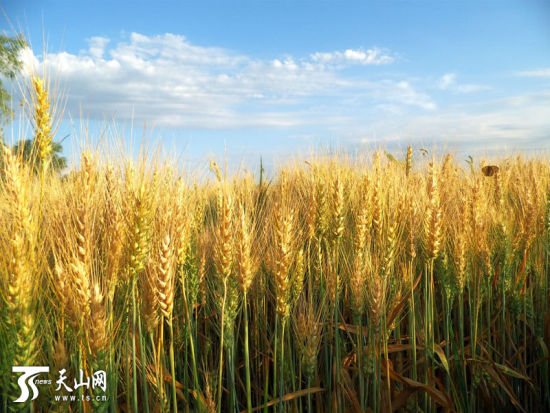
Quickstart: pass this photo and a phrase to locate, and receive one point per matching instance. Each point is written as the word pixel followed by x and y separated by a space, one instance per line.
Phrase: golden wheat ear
pixel 43 122
pixel 245 264
pixel 433 215
pixel 98 334
pixel 408 161
pixel 165 280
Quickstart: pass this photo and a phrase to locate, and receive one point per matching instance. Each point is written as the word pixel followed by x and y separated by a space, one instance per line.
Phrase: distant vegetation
pixel 9 67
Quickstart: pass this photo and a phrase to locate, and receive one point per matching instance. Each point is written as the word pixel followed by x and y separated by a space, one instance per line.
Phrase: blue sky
pixel 275 78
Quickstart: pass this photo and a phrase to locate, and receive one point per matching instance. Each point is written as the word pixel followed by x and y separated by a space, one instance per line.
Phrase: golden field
pixel 336 285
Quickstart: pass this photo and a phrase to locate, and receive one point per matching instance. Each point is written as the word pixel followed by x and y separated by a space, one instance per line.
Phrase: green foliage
pixel 9 67
pixel 28 152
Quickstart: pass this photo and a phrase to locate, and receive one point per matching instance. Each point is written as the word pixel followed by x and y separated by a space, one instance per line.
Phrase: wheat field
pixel 339 284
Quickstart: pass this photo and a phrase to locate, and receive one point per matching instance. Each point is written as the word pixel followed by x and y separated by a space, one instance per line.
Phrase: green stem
pixel 189 332
pixel 412 328
pixel 247 357
pixel 489 334
pixel 546 364
pixel 503 321
pixel 431 319
pixel 128 381
pixel 336 331
pixel 362 400
pixel 266 385
pixel 143 366
pixel 427 329
pixel 309 404
pixel 337 349
pixel 265 323
pixel 220 368
pixel 173 368
pixel 385 345
pixel 275 351
pixel 373 366
pixel 447 335
pixel 113 382
pixel 160 366
pixel 281 369
pixel 134 366
pixel 186 370
pixel 462 353
pixel 80 407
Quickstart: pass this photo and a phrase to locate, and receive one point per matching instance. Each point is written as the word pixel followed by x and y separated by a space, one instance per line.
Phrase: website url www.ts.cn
pixel 72 398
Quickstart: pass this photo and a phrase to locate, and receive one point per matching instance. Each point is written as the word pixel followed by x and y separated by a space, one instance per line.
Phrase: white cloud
pixel 97 46
pixel 410 96
pixel 544 73
pixel 373 56
pixel 448 82
pixel 516 122
pixel 168 81
pixel 29 61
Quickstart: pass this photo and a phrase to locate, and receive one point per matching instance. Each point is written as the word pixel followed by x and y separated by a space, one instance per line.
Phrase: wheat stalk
pixel 20 297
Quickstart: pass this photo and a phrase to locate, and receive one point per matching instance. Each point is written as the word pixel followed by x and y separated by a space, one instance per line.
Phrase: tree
pixel 27 149
pixel 9 67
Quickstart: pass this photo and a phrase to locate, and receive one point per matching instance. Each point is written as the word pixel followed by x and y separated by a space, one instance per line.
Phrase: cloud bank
pixel 448 82
pixel 168 81
pixel 541 73
pixel 354 94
